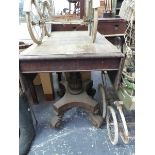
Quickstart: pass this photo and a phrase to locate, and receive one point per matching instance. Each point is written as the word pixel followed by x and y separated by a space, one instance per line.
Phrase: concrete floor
pixel 76 136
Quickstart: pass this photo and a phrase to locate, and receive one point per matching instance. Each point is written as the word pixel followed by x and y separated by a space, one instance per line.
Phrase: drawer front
pixel 108 28
pixel 68 27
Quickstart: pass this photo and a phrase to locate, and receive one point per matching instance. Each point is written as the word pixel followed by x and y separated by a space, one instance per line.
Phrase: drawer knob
pixel 116 27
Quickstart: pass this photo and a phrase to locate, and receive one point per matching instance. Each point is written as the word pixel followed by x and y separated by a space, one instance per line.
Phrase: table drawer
pixel 108 27
pixel 68 27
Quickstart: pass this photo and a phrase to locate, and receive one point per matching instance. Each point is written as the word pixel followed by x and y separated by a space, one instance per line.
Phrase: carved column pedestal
pixel 76 96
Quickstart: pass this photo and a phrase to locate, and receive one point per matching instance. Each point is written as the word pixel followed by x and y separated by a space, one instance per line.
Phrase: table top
pixel 71 44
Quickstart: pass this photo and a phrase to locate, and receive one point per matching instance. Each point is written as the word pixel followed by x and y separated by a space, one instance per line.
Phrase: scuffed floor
pixel 76 136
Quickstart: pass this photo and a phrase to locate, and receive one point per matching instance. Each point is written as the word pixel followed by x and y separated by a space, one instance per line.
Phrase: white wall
pixel 60 4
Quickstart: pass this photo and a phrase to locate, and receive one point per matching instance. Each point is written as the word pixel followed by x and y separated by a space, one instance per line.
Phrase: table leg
pixel 119 73
pixel 27 87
